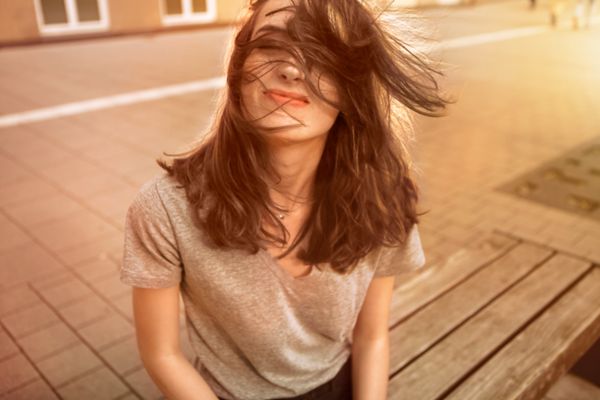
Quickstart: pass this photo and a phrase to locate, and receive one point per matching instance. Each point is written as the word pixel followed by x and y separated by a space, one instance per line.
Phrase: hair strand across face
pixel 365 196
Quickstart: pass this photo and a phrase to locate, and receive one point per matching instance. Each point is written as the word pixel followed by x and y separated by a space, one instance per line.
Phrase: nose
pixel 289 72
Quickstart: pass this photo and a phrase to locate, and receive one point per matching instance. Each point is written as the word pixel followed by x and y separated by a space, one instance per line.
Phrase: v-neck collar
pixel 282 273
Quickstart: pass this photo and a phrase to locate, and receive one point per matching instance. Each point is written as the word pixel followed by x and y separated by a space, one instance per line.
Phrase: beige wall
pixel 17 20
pixel 133 15
pixel 229 10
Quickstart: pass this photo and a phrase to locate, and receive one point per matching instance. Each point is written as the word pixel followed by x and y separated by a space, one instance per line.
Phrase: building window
pixel 176 12
pixel 57 17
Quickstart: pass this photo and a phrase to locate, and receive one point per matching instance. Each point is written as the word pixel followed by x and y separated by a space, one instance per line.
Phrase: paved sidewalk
pixel 65 319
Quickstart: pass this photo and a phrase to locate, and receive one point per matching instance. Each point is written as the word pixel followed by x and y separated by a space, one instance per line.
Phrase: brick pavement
pixel 65 319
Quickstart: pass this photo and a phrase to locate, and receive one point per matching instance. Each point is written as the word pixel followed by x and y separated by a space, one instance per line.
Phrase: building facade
pixel 35 21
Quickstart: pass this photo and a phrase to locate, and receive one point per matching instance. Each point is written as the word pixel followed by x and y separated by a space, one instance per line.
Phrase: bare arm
pixel 371 344
pixel 156 314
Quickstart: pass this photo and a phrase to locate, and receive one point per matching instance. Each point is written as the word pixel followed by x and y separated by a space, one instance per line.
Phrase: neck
pixel 296 164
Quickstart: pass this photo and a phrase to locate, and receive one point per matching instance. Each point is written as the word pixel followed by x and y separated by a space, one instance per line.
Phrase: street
pixel 82 122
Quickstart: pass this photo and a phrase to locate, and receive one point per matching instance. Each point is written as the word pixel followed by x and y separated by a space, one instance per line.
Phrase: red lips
pixel 284 95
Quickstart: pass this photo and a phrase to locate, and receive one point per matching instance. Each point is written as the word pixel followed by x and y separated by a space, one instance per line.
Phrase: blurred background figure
pixel 532 4
pixel 557 9
pixel 583 14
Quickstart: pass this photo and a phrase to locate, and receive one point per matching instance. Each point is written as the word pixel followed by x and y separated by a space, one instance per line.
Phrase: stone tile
pixel 107 149
pixel 29 259
pixel 445 248
pixel 530 223
pixel 24 190
pixel 123 165
pixel 49 281
pixel 125 305
pixel 15 137
pixel 561 232
pixel 70 168
pixel 39 153
pixel 119 221
pixel 11 235
pixel 48 341
pixel 14 372
pixel 85 311
pixel 111 286
pixel 29 320
pixel 87 186
pixel 68 133
pixel 11 171
pixel 7 346
pixel 68 364
pixel 66 292
pixel 75 229
pixel 108 330
pixel 113 204
pixel 428 238
pixel 123 356
pixel 143 384
pixel 95 269
pixel 141 175
pixel 48 208
pixel 16 298
pixel 460 233
pixel 101 248
pixel 101 384
pixel 36 390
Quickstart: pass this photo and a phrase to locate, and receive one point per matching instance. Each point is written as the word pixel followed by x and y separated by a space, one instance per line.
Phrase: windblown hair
pixel 364 194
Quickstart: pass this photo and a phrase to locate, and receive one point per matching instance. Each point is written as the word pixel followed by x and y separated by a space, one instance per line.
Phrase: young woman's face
pixel 282 84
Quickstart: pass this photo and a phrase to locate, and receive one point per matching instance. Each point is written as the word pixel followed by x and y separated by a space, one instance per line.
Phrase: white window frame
pixel 188 16
pixel 73 24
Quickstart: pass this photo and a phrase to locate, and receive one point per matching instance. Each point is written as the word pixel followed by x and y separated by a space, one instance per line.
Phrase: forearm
pixel 177 379
pixel 370 368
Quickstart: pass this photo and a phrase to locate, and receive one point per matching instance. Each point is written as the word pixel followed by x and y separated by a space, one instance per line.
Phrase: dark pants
pixel 338 388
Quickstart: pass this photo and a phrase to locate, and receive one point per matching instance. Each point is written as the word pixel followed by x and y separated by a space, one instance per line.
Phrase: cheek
pixel 328 111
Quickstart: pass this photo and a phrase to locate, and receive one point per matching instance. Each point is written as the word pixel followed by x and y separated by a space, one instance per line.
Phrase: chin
pixel 294 135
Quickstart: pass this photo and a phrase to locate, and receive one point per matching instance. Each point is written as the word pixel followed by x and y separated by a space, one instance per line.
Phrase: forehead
pixel 274 12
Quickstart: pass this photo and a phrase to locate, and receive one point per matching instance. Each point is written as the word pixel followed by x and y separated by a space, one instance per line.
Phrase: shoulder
pixel 160 194
pixel 405 257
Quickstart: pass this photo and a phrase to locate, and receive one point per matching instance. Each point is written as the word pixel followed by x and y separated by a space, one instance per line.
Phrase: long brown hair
pixel 364 194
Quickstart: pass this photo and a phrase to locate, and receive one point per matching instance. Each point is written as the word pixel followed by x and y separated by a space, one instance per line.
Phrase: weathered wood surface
pixel 442 368
pixel 427 285
pixel 572 387
pixel 546 349
pixel 504 324
pixel 452 308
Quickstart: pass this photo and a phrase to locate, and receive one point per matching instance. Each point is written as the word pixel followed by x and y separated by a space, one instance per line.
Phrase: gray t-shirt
pixel 257 331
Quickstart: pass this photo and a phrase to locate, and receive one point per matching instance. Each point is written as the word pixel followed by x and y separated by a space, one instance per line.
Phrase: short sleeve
pixel 151 258
pixel 405 258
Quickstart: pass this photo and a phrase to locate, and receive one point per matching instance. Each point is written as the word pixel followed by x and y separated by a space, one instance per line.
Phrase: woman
pixel 283 230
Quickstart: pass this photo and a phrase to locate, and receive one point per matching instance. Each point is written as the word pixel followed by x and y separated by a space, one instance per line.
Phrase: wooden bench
pixel 502 319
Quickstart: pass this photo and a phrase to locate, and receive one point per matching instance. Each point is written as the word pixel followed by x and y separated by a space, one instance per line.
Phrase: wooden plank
pixel 527 366
pixel 572 387
pixel 417 334
pixel 415 292
pixel 445 365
